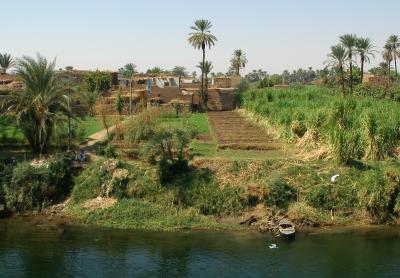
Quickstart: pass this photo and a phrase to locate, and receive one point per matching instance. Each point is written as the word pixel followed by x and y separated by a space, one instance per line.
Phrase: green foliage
pixel 336 196
pixel 377 194
pixel 274 79
pixel 243 86
pixel 210 199
pixel 342 124
pixel 119 104
pixel 142 127
pixel 99 81
pixel 41 105
pixel 279 193
pixel 168 150
pixel 34 187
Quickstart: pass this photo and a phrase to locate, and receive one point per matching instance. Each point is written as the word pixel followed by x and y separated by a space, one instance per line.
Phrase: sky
pixel 275 35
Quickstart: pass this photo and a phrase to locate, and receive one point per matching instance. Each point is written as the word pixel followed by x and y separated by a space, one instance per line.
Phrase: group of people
pixel 81 156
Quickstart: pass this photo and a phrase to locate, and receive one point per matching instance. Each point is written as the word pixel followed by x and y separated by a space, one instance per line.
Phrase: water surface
pixel 29 250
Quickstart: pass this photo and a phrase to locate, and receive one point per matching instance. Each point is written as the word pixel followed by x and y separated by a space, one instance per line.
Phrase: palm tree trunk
pixel 351 74
pixel 395 64
pixel 342 79
pixel 203 92
pixel 362 69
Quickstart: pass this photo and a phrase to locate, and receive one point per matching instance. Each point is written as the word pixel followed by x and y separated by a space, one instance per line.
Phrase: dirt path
pixel 232 131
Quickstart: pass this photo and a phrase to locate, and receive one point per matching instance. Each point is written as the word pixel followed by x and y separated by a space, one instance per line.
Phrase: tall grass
pixel 351 127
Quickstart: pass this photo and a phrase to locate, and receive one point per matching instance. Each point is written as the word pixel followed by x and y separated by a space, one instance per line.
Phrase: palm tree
pixel 394 44
pixel 336 59
pixel 72 91
pixel 6 62
pixel 387 56
pixel 199 39
pixel 42 105
pixel 349 41
pixel 205 68
pixel 179 71
pixel 365 49
pixel 238 61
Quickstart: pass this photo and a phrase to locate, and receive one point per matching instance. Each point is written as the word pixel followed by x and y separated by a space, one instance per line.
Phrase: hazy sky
pixel 276 35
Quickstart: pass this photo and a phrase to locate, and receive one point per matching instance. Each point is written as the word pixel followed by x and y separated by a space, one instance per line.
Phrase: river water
pixel 31 250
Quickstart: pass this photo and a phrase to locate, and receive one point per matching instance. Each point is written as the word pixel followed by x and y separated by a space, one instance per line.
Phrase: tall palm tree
pixel 365 49
pixel 387 56
pixel 394 44
pixel 238 60
pixel 199 39
pixel 42 105
pixel 349 41
pixel 205 67
pixel 337 58
pixel 6 62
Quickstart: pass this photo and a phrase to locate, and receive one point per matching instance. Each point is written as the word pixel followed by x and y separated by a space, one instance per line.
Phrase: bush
pixel 338 196
pixel 204 193
pixel 142 126
pixel 168 150
pixel 303 214
pixel 36 185
pixel 243 86
pixel 104 178
pixel 377 195
pixel 279 193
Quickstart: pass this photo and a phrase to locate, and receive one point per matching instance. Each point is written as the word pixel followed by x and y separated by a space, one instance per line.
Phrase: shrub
pixel 279 193
pixel 210 199
pixel 168 150
pixel 35 185
pixel 377 195
pixel 302 214
pixel 243 86
pixel 338 196
pixel 142 126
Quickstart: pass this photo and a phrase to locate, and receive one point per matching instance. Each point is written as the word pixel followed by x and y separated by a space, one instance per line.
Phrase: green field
pixel 10 133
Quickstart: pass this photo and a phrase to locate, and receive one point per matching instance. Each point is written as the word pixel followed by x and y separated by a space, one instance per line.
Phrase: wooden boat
pixel 286 228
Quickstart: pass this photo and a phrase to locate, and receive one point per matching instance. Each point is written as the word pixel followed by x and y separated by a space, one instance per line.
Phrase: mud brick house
pixel 375 80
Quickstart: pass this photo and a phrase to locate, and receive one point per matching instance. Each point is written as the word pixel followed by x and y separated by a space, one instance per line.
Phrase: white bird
pixel 333 178
pixel 273 246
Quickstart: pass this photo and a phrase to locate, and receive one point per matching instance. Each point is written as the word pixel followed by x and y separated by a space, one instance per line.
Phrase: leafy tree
pixel 238 61
pixel 274 79
pixel 365 49
pixel 155 71
pixel 43 103
pixel 199 39
pixel 349 42
pixel 69 68
pixel 90 99
pixel 206 68
pixel 336 59
pixel 99 81
pixel 256 75
pixel 128 70
pixel 6 62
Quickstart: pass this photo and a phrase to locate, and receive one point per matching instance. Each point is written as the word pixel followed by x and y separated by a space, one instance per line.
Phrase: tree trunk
pixel 351 73
pixel 342 79
pixel 395 64
pixel 362 69
pixel 203 92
